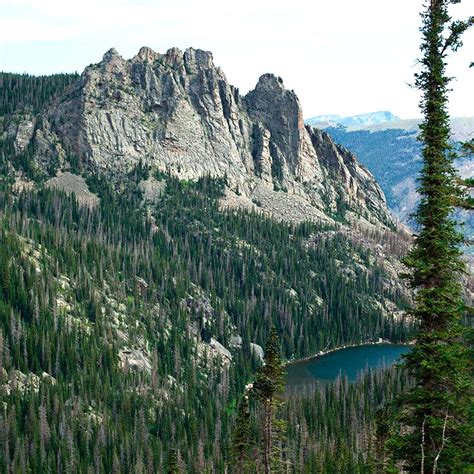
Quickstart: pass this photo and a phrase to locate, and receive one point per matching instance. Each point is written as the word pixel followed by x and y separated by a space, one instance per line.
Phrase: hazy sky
pixel 340 56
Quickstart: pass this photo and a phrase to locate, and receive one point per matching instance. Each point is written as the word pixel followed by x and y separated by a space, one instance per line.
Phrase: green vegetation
pixel 118 328
pixel 391 155
pixel 22 97
pixel 84 291
pixel 26 93
pixel 436 417
pixel 241 445
pixel 268 385
pixel 83 287
pixel 333 428
pixel 189 274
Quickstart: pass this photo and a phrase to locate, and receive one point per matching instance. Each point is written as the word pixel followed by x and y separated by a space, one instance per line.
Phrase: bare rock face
pixel 134 359
pixel 257 351
pixel 72 183
pixel 176 112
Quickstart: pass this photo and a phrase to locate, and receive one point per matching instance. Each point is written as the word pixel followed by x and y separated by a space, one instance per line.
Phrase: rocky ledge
pixel 177 112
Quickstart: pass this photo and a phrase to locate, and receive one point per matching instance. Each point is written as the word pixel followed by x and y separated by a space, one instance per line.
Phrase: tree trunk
pixel 268 436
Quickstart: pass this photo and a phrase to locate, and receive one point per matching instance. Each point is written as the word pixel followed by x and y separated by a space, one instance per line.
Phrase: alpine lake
pixel 348 362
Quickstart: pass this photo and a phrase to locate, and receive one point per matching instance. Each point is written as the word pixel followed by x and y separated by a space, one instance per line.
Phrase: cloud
pixel 341 56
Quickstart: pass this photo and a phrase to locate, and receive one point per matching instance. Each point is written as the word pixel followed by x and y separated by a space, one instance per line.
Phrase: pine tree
pixel 436 431
pixel 241 442
pixel 268 384
pixel 173 461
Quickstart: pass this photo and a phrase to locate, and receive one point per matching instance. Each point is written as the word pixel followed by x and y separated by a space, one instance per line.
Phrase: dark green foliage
pixel 468 147
pixel 173 467
pixel 270 376
pixel 102 252
pixel 241 438
pixel 23 96
pixel 269 384
pixel 440 429
pixel 182 273
pixel 332 427
pixel 26 93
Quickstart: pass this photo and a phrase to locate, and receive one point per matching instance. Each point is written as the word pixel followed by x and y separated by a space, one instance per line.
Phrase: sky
pixel 340 56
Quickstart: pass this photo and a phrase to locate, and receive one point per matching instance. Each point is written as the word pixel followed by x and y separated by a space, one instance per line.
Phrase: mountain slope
pixel 135 297
pixel 176 112
pixel 132 327
pixel 392 152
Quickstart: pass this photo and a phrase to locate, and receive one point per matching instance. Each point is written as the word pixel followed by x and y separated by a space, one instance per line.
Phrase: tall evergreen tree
pixel 436 431
pixel 241 436
pixel 268 384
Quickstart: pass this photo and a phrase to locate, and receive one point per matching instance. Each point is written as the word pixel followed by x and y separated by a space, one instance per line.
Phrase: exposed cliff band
pixel 177 112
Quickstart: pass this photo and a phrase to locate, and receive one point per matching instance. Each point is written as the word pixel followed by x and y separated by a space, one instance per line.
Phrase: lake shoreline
pixel 335 349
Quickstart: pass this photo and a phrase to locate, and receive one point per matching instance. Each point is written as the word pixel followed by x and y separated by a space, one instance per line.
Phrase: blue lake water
pixel 346 362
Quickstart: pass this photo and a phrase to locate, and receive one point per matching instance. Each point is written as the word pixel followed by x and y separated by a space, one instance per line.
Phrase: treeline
pixel 341 427
pixel 27 93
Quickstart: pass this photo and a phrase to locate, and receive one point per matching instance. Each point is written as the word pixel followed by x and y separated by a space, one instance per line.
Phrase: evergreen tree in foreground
pixel 241 437
pixel 269 383
pixel 437 430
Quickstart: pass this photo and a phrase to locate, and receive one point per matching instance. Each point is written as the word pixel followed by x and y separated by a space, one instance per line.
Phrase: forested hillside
pixel 193 279
pixel 393 155
pixel 108 295
pixel 133 311
pixel 26 93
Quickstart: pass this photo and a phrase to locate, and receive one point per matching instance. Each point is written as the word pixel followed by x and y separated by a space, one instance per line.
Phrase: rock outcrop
pixel 177 112
pixel 69 182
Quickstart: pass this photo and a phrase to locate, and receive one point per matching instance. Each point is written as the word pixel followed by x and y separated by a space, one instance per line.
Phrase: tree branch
pixel 456 30
pixel 443 443
pixel 422 467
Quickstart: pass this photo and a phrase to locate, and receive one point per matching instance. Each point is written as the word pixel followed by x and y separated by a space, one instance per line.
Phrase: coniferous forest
pixel 87 289
pixel 167 287
pixel 145 333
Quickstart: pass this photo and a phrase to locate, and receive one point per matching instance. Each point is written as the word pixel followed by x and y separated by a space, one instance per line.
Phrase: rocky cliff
pixel 177 112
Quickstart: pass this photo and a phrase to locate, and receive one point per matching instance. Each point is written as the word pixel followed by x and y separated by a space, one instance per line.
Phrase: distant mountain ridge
pixel 371 118
pixel 392 152
pixel 462 128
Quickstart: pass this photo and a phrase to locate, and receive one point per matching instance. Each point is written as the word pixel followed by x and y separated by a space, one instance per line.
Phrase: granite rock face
pixel 177 112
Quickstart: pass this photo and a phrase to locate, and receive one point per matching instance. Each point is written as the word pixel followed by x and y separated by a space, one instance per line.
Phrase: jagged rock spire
pixel 176 111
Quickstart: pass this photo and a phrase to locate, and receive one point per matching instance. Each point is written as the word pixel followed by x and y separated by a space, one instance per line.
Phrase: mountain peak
pixel 371 118
pixel 177 112
pixel 192 58
pixel 270 81
pixel 147 54
pixel 110 55
pixel 199 57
